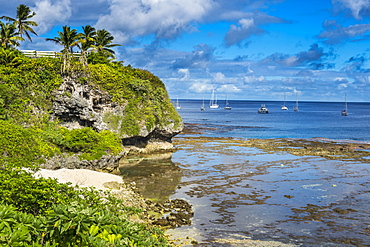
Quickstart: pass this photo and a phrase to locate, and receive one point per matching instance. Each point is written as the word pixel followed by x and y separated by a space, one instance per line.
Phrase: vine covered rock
pixel 138 111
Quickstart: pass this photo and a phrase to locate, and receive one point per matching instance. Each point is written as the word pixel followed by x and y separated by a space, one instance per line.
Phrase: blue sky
pixel 250 50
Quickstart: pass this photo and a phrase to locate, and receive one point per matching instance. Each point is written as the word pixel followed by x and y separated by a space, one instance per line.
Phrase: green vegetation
pixel 21 22
pixel 137 89
pixel 43 212
pixel 27 86
pixel 92 144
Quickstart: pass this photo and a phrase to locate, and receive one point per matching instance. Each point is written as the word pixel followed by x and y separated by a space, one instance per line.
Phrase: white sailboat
pixel 202 108
pixel 177 104
pixel 283 107
pixel 213 102
pixel 296 103
pixel 263 109
pixel 227 106
pixel 345 111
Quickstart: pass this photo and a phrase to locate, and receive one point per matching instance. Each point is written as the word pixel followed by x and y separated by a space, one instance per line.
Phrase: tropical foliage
pixel 91 144
pixel 97 44
pixel 43 212
pixel 21 22
pixel 135 87
pixel 69 38
pixel 10 57
pixel 103 43
pixel 9 37
pixel 87 37
pixel 26 89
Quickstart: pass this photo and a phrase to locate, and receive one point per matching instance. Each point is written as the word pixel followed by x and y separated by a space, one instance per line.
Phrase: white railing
pixel 35 54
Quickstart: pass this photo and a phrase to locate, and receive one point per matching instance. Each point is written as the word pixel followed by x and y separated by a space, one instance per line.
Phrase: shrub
pixel 42 212
pixel 92 144
pixel 19 148
pixel 26 90
pixel 10 57
pixel 30 195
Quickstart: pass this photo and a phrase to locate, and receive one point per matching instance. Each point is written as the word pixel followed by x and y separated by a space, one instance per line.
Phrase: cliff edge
pixel 77 105
pixel 87 117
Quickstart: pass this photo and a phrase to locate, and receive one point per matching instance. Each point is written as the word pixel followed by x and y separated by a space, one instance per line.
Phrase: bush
pixel 19 147
pixel 26 90
pixel 30 195
pixel 42 212
pixel 92 144
pixel 10 57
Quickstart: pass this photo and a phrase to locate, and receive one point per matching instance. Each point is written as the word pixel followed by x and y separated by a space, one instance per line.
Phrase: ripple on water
pixel 241 192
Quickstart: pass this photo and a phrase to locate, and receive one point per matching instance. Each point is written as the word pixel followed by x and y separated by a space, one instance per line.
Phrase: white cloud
pixel 247 23
pixel 218 77
pixel 335 33
pixel 342 86
pixel 248 26
pixel 185 73
pixel 165 19
pixel 253 79
pixel 356 6
pixel 228 88
pixel 201 87
pixel 50 13
pixel 365 79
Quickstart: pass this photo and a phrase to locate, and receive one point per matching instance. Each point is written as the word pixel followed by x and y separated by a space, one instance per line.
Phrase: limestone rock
pixel 78 105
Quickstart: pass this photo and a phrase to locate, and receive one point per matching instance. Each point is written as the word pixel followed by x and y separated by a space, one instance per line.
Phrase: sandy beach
pixel 80 177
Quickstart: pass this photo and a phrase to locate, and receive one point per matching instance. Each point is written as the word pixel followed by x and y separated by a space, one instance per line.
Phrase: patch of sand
pixel 80 177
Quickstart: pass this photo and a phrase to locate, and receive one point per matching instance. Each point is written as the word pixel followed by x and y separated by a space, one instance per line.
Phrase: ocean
pixel 243 193
pixel 314 119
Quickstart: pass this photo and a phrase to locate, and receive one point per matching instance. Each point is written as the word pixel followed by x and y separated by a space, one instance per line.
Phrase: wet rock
pixel 108 163
pixel 343 211
pixel 177 213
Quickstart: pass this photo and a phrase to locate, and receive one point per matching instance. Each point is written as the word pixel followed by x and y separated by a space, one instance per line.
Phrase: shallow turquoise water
pixel 244 192
pixel 279 196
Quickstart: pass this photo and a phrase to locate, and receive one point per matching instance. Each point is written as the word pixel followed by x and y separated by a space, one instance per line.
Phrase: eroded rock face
pixel 79 105
pixel 107 163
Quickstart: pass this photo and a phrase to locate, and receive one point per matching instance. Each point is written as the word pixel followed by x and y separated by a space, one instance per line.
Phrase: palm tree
pixel 9 37
pixel 87 38
pixel 103 43
pixel 68 39
pixel 21 22
pixel 10 57
pixel 86 42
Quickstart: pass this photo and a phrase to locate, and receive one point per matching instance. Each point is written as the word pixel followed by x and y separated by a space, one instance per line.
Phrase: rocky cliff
pixel 78 105
pixel 124 105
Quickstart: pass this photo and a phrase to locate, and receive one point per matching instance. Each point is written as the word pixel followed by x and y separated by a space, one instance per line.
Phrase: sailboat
pixel 283 107
pixel 177 104
pixel 345 111
pixel 202 108
pixel 263 109
pixel 296 103
pixel 213 102
pixel 227 106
